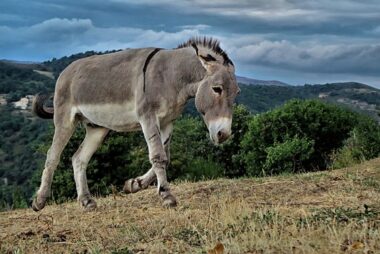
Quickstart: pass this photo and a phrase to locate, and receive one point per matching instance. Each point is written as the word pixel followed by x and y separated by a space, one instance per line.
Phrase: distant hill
pixel 22 64
pixel 356 96
pixel 18 80
pixel 251 81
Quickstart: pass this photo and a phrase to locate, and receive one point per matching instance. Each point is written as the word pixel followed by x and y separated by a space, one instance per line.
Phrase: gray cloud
pixel 305 16
pixel 312 57
pixel 59 37
pixel 263 37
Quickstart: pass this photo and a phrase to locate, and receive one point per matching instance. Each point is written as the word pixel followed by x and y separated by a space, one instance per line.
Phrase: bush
pixel 287 156
pixel 299 135
pixel 363 144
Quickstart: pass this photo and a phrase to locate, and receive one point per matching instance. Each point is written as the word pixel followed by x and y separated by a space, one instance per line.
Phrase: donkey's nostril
pixel 222 136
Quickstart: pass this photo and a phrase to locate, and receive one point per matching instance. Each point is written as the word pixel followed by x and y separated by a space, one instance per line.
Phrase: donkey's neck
pixel 191 74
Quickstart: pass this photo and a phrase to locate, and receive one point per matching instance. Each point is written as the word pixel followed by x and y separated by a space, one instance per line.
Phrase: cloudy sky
pixel 295 41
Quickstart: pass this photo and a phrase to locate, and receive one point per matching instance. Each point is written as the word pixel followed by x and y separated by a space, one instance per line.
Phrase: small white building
pixel 24 103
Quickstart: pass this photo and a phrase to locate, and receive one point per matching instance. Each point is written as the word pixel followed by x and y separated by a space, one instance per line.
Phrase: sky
pixel 294 41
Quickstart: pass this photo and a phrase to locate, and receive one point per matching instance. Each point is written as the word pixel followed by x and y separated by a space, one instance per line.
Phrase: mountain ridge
pixel 252 81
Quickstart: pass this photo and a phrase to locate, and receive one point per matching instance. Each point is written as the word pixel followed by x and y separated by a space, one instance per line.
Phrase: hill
pixel 356 96
pixel 323 212
pixel 19 80
pixel 258 82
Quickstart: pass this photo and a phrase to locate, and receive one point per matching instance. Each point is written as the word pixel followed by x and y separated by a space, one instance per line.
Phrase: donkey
pixel 136 89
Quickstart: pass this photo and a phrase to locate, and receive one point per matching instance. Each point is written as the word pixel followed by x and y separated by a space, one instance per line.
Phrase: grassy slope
pixel 319 212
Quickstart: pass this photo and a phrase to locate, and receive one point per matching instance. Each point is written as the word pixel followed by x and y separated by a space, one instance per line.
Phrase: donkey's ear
pixel 208 58
pixel 208 61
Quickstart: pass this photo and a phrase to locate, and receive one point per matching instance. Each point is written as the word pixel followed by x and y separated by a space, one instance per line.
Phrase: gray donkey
pixel 137 89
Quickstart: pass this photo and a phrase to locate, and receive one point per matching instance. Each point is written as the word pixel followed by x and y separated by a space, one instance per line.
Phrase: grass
pixel 324 212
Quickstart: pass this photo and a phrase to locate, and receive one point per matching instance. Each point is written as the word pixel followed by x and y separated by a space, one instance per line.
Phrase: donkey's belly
pixel 118 117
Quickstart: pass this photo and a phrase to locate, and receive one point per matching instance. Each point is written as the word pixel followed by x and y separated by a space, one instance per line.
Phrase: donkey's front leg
pixel 158 159
pixel 142 182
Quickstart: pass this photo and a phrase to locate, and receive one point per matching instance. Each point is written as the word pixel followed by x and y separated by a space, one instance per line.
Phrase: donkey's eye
pixel 217 89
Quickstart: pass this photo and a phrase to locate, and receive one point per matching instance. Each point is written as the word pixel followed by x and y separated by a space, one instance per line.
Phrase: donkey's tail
pixel 40 109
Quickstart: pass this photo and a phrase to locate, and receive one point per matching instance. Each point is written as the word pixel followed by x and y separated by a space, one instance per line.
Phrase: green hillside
pixel 356 96
pixel 17 81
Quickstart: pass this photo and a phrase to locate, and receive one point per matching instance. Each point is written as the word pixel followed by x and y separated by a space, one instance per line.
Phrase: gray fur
pixel 106 92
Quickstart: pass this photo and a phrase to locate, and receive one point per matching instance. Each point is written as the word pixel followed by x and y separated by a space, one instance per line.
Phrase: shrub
pixel 363 144
pixel 299 135
pixel 287 156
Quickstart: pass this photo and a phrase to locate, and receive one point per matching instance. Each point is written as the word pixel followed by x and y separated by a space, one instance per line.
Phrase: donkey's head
pixel 217 90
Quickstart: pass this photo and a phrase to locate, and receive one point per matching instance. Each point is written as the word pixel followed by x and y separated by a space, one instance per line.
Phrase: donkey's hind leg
pixel 139 183
pixel 94 138
pixel 62 134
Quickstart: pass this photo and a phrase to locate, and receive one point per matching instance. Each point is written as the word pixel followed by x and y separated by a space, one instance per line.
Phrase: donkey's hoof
pixel 169 201
pixel 128 186
pixel 89 204
pixel 38 204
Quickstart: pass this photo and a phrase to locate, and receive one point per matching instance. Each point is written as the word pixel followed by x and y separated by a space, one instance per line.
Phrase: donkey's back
pixel 109 78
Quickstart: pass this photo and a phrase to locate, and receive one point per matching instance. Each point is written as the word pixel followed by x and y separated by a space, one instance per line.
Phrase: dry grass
pixel 323 212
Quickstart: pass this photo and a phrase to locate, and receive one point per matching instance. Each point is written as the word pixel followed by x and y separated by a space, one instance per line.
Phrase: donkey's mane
pixel 207 42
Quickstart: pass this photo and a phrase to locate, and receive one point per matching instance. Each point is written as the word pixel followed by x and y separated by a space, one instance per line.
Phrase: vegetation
pixel 360 146
pixel 17 82
pixel 352 95
pixel 20 135
pixel 299 136
pixel 323 212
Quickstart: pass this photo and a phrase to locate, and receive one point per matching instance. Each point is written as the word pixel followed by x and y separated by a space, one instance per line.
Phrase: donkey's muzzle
pixel 220 129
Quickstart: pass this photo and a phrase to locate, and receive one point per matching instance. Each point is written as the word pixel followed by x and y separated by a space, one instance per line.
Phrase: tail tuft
pixel 39 109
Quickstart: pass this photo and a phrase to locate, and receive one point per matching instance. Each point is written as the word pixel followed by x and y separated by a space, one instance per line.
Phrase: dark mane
pixel 207 42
